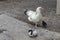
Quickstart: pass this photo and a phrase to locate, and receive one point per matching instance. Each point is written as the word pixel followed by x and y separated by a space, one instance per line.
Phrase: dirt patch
pixel 16 10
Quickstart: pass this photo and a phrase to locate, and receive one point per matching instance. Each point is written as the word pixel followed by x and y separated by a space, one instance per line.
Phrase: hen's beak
pixel 42 8
pixel 25 11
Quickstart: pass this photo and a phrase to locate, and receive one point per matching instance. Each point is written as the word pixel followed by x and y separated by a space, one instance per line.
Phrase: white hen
pixel 34 16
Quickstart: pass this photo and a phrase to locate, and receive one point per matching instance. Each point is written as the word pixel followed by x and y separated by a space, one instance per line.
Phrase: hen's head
pixel 40 8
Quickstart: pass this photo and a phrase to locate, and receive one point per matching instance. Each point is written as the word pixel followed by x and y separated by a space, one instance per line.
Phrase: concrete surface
pixel 58 7
pixel 17 30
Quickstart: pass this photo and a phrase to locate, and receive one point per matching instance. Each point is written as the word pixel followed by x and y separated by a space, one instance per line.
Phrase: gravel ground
pixel 16 10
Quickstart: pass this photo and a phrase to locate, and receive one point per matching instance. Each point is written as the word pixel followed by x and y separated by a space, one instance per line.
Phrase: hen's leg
pixel 36 25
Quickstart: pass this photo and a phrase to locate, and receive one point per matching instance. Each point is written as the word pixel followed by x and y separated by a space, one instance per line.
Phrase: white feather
pixel 30 34
pixel 34 16
pixel 35 33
